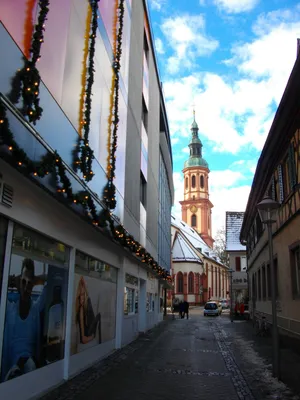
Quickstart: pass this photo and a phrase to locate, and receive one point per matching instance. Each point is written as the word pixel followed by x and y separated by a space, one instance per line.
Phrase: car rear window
pixel 210 306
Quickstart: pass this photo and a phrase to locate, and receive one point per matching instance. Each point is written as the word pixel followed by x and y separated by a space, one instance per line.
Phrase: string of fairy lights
pixel 52 163
pixel 84 154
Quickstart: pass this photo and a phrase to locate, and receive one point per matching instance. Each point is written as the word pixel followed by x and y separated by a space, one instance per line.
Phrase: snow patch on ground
pixel 261 373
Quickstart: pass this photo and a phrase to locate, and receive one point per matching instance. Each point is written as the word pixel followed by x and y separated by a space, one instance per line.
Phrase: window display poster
pixel 34 330
pixel 94 312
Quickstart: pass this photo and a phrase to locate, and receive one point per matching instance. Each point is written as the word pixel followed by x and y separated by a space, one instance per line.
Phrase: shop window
pixel 93 317
pixel 191 282
pixel 193 181
pixel 202 181
pixel 194 220
pixel 150 302
pixel 179 282
pixel 36 303
pixel 129 300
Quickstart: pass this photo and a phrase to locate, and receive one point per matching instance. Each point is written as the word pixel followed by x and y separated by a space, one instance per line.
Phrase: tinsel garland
pixel 84 155
pixel 110 190
pixel 27 80
pixel 52 163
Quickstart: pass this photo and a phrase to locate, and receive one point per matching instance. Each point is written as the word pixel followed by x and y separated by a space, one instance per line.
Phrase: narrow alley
pixel 180 359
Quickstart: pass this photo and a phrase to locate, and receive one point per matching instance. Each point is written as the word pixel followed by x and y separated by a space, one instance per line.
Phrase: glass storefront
pixel 34 329
pixel 94 304
pixel 36 301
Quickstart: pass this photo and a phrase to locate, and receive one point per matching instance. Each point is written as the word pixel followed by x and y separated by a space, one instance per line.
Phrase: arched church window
pixel 202 181
pixel 179 282
pixel 193 181
pixel 186 182
pixel 194 220
pixel 191 282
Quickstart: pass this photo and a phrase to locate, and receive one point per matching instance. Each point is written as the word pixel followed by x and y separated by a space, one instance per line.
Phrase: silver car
pixel 211 308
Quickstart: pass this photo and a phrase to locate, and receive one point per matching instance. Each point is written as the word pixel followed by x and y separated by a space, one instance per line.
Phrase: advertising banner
pixel 34 330
pixel 94 312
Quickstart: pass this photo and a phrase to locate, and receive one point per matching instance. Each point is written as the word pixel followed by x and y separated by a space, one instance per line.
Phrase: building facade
pixel 198 274
pixel 237 256
pixel 85 187
pixel 196 206
pixel 277 175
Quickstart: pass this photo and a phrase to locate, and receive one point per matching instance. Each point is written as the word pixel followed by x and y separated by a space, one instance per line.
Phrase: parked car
pixel 224 303
pixel 211 308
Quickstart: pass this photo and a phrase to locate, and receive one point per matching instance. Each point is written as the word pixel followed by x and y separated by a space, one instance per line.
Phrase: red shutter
pixel 237 263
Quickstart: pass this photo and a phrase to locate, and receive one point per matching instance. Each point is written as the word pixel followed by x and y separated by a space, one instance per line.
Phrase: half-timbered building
pixel 278 175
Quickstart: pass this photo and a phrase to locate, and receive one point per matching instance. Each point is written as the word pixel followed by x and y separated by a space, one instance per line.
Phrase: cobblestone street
pixel 181 359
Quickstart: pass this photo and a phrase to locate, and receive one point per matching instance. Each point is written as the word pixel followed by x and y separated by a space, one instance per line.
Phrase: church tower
pixel 196 206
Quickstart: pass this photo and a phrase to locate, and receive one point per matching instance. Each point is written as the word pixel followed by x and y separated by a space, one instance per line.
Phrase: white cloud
pixel 224 179
pixel 236 6
pixel 178 191
pixel 236 113
pixel 159 46
pixel 227 199
pixel 156 4
pixel 188 40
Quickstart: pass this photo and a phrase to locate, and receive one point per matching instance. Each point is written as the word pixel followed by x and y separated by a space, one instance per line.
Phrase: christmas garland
pixel 85 159
pixel 109 195
pixel 27 80
pixel 53 164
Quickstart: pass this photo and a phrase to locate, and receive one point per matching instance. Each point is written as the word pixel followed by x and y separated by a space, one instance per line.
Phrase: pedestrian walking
pixel 181 310
pixel 186 306
pixel 242 309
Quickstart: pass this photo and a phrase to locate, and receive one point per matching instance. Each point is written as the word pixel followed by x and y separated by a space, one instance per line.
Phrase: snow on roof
pixel 234 221
pixel 194 238
pixel 182 251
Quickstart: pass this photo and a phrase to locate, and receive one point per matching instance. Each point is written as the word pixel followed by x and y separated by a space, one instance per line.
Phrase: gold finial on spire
pixel 194 112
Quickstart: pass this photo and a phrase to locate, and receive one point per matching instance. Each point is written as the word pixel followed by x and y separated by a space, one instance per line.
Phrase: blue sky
pixel 232 60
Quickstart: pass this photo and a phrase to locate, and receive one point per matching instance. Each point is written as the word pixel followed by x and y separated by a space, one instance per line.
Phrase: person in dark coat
pixel 186 309
pixel 181 310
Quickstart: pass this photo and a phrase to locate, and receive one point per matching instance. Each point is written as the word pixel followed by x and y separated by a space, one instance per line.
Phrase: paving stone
pixel 179 360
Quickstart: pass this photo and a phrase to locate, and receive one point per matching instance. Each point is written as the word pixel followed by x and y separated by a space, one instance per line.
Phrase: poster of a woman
pixel 88 322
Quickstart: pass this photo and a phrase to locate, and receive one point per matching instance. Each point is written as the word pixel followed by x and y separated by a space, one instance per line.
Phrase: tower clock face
pixel 193 209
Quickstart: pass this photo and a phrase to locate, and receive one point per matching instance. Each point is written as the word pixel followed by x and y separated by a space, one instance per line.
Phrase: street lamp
pixel 267 209
pixel 231 310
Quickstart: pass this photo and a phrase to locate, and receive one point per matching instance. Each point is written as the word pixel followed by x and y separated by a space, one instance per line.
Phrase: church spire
pixel 195 147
